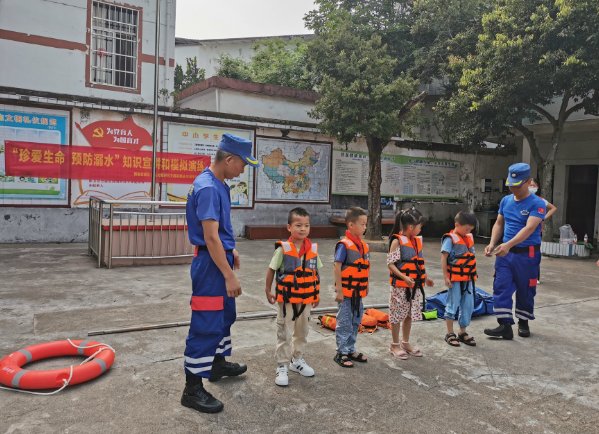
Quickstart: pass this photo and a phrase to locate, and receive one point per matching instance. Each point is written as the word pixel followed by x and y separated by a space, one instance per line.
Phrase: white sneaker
pixel 301 367
pixel 282 379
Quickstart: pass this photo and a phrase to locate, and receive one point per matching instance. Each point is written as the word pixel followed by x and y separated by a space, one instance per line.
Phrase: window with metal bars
pixel 114 45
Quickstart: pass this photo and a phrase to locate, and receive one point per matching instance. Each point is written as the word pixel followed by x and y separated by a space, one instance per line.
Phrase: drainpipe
pixel 155 124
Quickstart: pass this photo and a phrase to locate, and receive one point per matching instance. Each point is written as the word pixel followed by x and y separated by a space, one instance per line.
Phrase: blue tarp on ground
pixel 483 303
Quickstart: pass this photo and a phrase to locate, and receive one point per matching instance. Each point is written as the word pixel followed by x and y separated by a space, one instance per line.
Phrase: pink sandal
pixel 414 351
pixel 398 352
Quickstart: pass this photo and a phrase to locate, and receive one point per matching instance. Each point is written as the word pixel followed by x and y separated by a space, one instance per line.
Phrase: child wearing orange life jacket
pixel 407 277
pixel 295 263
pixel 352 263
pixel 459 270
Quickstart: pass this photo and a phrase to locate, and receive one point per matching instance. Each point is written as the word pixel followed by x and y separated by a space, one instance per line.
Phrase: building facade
pixel 81 74
pixel 208 51
pixel 71 72
pixel 89 48
pixel 576 173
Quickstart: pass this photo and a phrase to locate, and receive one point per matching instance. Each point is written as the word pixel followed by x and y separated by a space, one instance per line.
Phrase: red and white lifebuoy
pixel 13 375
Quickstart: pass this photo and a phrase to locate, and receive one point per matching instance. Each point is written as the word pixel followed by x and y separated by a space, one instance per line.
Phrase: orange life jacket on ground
pixel 328 321
pixel 381 317
pixel 461 268
pixel 299 282
pixel 368 324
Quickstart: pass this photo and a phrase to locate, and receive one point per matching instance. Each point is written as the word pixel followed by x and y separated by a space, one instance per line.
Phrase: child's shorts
pixel 400 307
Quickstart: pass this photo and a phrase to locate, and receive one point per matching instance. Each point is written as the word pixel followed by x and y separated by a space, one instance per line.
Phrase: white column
pixel 527 156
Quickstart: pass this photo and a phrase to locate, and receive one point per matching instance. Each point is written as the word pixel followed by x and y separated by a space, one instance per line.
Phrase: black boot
pixel 523 330
pixel 502 331
pixel 196 397
pixel 221 368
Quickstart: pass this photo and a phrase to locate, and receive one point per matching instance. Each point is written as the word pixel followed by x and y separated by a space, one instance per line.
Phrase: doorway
pixel 582 198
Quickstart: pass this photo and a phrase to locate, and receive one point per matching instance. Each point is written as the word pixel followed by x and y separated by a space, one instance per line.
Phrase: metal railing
pixel 134 230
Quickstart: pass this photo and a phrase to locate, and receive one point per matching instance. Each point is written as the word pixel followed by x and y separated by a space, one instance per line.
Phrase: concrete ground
pixel 547 383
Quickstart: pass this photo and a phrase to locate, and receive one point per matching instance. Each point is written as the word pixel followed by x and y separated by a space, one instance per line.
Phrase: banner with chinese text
pixel 102 164
pixel 32 125
pixel 402 176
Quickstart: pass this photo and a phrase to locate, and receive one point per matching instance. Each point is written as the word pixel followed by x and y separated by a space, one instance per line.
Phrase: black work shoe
pixel 199 399
pixel 502 331
pixel 523 329
pixel 221 368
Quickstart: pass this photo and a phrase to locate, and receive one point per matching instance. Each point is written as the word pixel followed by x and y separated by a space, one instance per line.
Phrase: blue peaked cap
pixel 517 174
pixel 238 146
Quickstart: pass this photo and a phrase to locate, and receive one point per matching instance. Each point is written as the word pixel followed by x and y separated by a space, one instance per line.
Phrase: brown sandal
pixel 358 357
pixel 467 339
pixel 343 360
pixel 452 340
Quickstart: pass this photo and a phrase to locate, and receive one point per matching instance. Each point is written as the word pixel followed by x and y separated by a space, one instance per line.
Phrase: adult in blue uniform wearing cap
pixel 518 228
pixel 213 278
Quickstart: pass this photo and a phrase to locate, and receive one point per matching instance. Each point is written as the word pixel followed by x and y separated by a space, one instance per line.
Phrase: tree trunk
pixel 545 172
pixel 547 176
pixel 375 149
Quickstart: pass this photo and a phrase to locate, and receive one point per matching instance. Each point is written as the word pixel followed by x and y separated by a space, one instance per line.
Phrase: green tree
pixel 233 67
pixel 279 62
pixel 193 74
pixel 179 77
pixel 529 54
pixel 441 29
pixel 363 90
pixel 275 62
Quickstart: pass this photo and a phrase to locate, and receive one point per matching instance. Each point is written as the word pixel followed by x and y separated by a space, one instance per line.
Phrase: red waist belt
pixel 531 250
pixel 207 303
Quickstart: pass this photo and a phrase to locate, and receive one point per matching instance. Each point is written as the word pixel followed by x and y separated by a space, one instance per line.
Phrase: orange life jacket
pixel 381 317
pixel 299 282
pixel 328 321
pixel 411 262
pixel 462 268
pixel 368 324
pixel 354 270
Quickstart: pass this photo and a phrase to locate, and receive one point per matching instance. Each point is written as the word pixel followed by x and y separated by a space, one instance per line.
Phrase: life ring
pixel 101 357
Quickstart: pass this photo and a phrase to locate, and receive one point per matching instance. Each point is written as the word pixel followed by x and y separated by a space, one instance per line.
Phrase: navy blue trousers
pixel 516 273
pixel 213 313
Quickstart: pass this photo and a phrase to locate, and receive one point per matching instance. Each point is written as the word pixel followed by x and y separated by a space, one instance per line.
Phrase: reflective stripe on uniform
pixel 198 370
pixel 199 360
pixel 225 348
pixel 523 312
pixel 224 340
pixel 502 309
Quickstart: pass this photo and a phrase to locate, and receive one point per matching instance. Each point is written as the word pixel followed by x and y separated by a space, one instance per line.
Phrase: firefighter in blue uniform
pixel 214 282
pixel 518 227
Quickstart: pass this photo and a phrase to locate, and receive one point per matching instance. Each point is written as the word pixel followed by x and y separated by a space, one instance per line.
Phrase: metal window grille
pixel 114 45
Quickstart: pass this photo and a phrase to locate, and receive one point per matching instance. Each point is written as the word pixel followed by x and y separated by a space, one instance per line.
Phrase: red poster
pixel 102 164
pixel 125 134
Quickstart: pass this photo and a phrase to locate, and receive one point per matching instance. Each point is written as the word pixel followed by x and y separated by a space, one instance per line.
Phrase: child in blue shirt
pixel 458 264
